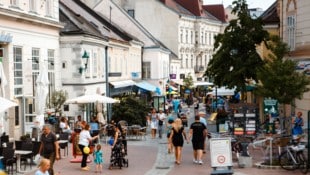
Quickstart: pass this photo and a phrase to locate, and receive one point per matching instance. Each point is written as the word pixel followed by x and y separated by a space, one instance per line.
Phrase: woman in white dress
pixel 154 123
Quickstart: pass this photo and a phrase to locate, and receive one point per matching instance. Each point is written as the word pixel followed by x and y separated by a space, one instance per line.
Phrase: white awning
pixel 202 83
pixel 125 83
pixel 222 91
pixel 179 82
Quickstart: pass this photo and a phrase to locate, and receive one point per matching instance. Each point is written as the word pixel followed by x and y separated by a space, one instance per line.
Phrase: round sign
pixel 221 159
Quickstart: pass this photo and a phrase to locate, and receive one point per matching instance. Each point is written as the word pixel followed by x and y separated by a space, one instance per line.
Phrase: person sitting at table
pixel 64 126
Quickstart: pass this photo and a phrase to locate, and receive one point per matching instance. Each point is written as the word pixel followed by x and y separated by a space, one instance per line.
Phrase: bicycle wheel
pixel 286 162
pixel 303 162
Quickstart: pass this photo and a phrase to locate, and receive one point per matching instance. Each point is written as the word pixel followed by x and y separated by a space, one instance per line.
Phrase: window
pixel 146 70
pixel 32 6
pixel 51 59
pixel 95 65
pixel 181 36
pixel 192 61
pixel 192 37
pixel 48 8
pixel 18 70
pixel 14 3
pixel 182 61
pixel 35 59
pixel 131 13
pixel 186 36
pixel 291 32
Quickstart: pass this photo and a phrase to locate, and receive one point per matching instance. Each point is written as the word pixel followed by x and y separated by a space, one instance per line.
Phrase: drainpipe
pixel 107 89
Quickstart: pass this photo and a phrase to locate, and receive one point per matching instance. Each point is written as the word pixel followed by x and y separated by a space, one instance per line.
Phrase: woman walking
pixel 154 123
pixel 176 137
pixel 84 140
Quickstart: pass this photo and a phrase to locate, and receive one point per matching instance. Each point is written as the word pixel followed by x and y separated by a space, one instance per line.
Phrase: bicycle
pixel 293 157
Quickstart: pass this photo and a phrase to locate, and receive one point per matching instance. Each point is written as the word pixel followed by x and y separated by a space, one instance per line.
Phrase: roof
pixel 189 8
pixel 270 16
pixel 75 24
pixel 217 11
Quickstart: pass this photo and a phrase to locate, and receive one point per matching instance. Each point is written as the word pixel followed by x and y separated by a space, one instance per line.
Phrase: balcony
pixel 199 69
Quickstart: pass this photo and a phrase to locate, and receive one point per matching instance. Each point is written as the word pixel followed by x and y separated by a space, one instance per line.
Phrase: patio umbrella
pixel 6 104
pixel 41 93
pixel 96 98
pixel 3 80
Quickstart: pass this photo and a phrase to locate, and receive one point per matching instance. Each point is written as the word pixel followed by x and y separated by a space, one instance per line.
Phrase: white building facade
pixel 29 40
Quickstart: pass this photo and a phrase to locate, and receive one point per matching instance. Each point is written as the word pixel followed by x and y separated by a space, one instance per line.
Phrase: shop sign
pixel 5 37
pixel 271 107
pixel 173 76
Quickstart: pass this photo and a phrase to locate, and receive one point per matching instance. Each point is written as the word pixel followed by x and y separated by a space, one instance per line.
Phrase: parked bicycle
pixel 293 157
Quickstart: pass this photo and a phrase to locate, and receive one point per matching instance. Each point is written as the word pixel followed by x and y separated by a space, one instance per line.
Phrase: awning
pixel 222 91
pixel 125 83
pixel 179 82
pixel 202 83
pixel 146 86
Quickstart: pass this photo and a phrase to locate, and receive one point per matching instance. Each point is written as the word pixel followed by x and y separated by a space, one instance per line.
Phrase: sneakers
pixel 200 162
pixel 85 168
pixel 195 161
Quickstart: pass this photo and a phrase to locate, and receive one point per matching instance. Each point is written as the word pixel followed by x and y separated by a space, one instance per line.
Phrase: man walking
pixel 49 146
pixel 197 132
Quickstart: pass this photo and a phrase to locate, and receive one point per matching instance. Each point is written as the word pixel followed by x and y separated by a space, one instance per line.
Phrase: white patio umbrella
pixel 96 98
pixel 41 93
pixel 3 80
pixel 6 104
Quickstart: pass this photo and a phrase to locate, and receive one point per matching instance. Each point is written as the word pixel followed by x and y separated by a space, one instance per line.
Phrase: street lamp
pixel 85 62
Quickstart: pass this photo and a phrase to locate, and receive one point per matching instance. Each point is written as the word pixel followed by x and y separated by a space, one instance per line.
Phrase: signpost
pixel 221 157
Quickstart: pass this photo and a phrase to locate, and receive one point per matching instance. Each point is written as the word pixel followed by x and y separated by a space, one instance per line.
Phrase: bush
pixel 132 110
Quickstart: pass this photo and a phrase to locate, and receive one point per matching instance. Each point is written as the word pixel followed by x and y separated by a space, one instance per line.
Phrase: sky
pixel 264 4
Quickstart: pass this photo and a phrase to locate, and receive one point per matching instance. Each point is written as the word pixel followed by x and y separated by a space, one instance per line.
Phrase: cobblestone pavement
pixel 149 157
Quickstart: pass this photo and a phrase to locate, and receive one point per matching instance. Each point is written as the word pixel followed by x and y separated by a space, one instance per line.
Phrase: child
pixel 98 159
pixel 44 165
pixel 169 127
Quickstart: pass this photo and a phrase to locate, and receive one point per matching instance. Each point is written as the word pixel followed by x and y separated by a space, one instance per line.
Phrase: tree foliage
pixel 188 81
pixel 235 60
pixel 57 99
pixel 278 78
pixel 131 110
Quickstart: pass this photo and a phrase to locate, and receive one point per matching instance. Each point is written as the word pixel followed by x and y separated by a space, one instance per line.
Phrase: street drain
pixel 162 167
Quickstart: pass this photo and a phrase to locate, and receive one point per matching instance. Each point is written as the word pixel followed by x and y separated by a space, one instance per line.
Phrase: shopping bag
pixel 37 159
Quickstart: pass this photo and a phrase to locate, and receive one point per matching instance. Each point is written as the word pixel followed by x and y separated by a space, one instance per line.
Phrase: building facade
pixel 295 31
pixel 29 41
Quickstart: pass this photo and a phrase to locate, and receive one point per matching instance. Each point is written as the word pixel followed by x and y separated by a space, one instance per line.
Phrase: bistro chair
pixel 28 158
pixel 64 146
pixel 9 160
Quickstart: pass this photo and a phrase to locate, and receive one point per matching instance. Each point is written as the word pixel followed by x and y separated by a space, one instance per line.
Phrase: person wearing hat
pixel 161 122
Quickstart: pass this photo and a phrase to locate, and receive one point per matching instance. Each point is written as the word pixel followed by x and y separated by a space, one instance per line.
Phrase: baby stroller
pixel 118 156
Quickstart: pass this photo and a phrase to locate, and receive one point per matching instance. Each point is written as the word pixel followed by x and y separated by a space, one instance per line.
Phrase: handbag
pixel 111 141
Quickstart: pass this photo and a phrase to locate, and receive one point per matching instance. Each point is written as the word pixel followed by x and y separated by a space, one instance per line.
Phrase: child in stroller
pixel 119 150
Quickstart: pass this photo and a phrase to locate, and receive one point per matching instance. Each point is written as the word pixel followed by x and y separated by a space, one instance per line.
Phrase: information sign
pixel 220 149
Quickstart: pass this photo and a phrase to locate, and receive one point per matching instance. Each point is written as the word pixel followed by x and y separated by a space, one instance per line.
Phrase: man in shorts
pixel 197 132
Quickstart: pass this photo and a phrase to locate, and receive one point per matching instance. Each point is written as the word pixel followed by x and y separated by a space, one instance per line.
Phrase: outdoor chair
pixel 27 159
pixel 9 160
pixel 64 146
pixel 18 144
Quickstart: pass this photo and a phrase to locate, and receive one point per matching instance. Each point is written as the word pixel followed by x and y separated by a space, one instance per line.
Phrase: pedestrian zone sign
pixel 220 149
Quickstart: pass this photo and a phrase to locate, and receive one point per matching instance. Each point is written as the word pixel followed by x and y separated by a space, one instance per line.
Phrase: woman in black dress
pixel 176 137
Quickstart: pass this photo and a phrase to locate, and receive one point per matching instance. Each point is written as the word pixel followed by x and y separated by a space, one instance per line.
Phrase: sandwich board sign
pixel 221 156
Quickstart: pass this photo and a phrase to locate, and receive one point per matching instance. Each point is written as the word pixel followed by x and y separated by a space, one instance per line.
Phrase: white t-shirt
pixel 162 116
pixel 84 138
pixel 62 125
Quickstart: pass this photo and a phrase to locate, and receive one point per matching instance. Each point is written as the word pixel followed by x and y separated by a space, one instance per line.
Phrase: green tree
pixel 57 99
pixel 236 60
pixel 188 81
pixel 278 78
pixel 130 109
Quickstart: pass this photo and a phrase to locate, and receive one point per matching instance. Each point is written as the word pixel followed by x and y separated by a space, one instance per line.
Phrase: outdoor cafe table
pixel 18 154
